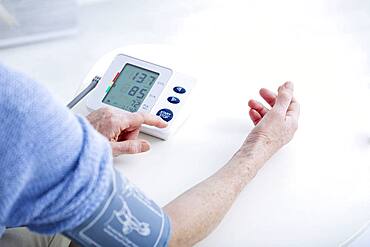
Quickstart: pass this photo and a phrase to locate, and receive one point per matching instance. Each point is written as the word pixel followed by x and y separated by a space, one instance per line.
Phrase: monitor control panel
pixel 134 85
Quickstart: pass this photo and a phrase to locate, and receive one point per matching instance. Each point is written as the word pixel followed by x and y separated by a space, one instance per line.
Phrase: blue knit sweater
pixel 55 169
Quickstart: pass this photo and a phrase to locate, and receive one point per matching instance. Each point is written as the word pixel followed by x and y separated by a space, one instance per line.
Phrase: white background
pixel 315 191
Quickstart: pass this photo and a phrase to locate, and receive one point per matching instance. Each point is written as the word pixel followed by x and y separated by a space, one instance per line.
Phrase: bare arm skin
pixel 198 211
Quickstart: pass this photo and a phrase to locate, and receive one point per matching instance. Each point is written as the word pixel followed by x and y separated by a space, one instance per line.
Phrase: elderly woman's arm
pixel 198 211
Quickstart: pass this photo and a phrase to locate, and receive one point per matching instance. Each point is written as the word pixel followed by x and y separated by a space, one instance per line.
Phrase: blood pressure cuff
pixel 126 218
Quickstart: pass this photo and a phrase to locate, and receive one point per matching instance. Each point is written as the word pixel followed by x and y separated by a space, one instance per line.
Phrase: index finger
pixel 138 118
pixel 268 96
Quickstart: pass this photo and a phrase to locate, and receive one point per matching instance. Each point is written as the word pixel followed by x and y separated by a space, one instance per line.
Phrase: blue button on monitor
pixel 165 114
pixel 179 90
pixel 173 100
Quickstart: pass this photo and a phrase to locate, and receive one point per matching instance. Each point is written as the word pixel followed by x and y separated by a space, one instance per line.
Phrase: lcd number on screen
pixel 131 88
pixel 137 92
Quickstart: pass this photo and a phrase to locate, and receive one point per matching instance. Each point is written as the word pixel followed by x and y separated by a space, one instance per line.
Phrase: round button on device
pixel 173 100
pixel 165 114
pixel 179 90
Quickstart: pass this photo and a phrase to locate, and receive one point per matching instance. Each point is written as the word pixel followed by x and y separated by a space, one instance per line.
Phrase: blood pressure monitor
pixel 134 85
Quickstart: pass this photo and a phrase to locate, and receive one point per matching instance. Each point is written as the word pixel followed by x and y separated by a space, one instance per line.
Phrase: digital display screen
pixel 131 88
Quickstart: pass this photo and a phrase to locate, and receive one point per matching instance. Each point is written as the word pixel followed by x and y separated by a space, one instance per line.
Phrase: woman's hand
pixel 198 211
pixel 274 127
pixel 122 129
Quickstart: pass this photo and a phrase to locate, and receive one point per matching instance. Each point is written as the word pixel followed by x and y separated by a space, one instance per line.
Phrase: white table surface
pixel 315 191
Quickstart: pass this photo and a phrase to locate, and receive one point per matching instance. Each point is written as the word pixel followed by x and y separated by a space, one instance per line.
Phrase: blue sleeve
pixel 55 169
pixel 126 218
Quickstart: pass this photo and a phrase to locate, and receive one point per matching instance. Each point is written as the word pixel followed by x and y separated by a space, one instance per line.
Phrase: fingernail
pixel 145 146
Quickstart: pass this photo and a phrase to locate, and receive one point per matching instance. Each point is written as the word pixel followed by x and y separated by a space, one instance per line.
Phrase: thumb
pixel 129 147
pixel 284 97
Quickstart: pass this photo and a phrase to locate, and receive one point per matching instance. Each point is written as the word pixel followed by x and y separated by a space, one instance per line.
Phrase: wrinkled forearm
pixel 197 212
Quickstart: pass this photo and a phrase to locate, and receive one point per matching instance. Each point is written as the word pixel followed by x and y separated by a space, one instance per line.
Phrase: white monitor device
pixel 134 85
